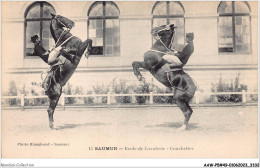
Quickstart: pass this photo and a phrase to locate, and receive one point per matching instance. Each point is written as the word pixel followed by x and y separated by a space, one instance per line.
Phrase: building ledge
pixel 130 69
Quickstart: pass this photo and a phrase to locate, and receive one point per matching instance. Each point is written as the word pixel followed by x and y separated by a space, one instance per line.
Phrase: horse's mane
pixel 156 29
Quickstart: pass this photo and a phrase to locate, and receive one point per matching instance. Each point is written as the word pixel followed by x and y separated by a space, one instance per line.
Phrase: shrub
pixel 68 91
pixel 159 99
pixel 101 89
pixel 78 91
pixel 12 91
pixel 121 88
pixel 89 100
pixel 142 89
pixel 232 87
pixel 254 97
pixel 37 101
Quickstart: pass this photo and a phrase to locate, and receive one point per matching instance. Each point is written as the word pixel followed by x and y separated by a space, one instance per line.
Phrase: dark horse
pixel 180 82
pixel 73 46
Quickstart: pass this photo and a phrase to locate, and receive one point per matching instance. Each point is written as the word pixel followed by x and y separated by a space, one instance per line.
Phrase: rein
pixel 66 40
pixel 158 51
pixel 165 45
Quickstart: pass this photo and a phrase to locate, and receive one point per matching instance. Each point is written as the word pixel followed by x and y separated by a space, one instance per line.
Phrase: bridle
pixel 166 28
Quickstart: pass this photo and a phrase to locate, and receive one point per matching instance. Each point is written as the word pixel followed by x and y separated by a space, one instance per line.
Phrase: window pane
pixel 111 10
pixel 159 22
pixel 92 24
pixel 175 8
pixel 99 41
pixel 242 33
pixel 47 10
pixel 160 9
pixel 96 32
pixel 96 10
pixel 32 28
pixel 110 26
pixel 47 40
pixel 225 34
pixel 92 33
pixel 241 7
pixel 109 50
pixel 112 37
pixel 96 35
pixel 225 7
pixel 99 24
pixel 34 11
pixel 99 33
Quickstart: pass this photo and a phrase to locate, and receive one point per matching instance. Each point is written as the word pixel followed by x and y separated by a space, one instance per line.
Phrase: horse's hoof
pixel 51 125
pixel 86 52
pixel 182 128
pixel 87 55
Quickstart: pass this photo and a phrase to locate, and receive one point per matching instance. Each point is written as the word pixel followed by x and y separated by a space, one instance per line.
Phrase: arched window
pixel 103 28
pixel 37 22
pixel 234 27
pixel 170 12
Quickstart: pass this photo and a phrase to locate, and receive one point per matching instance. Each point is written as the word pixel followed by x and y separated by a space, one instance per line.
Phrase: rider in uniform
pixel 179 59
pixel 54 57
pixel 39 50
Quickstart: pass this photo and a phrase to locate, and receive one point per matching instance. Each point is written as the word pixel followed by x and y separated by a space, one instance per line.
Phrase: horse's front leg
pixel 85 48
pixel 136 65
pixel 54 95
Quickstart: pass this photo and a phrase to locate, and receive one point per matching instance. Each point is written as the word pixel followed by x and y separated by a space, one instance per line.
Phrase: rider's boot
pixel 172 66
pixel 47 80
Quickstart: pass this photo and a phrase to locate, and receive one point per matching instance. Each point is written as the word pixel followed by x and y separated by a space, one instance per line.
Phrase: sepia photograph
pixel 129 80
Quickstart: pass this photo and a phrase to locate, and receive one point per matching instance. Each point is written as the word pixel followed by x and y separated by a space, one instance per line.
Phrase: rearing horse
pixel 181 83
pixel 73 46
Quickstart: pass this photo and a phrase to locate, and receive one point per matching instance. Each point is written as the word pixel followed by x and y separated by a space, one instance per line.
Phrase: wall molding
pixel 130 69
pixel 135 17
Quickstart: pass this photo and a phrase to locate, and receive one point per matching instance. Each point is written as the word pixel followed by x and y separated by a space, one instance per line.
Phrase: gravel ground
pixel 213 132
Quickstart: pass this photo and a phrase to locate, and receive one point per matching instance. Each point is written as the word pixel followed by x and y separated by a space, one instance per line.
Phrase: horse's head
pixel 61 22
pixel 166 34
pixel 164 30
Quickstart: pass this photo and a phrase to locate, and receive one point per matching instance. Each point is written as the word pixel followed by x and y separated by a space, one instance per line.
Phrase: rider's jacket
pixel 40 51
pixel 185 54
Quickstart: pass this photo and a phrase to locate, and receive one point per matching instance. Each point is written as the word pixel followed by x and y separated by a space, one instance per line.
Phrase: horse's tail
pixel 198 87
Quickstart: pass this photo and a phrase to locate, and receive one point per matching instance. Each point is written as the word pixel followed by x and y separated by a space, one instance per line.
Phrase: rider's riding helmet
pixel 190 36
pixel 33 38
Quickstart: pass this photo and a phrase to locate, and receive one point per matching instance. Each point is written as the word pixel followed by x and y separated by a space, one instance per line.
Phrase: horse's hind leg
pixel 187 111
pixel 136 65
pixel 190 110
pixel 54 96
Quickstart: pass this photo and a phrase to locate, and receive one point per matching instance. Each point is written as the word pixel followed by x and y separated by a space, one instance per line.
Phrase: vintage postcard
pixel 129 79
